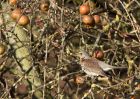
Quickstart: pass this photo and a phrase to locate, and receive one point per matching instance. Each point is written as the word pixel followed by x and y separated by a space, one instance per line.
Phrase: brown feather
pixel 92 67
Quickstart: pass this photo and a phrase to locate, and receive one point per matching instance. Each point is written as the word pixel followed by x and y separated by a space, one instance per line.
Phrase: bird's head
pixel 84 55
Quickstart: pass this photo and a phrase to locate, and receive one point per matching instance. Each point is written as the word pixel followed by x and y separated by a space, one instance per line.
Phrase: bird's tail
pixel 107 67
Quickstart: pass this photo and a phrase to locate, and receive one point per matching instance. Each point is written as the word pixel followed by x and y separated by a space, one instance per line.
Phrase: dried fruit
pixel 84 9
pixel 24 20
pixel 2 49
pixel 88 20
pixel 132 97
pixel 79 79
pixel 98 54
pixel 44 7
pixel 16 13
pixel 12 2
pixel 22 89
pixel 96 18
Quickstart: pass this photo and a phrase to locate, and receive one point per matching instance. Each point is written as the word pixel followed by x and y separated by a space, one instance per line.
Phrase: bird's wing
pixel 107 67
pixel 94 67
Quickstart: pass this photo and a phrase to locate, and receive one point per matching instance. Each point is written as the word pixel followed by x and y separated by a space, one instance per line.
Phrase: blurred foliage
pixel 47 50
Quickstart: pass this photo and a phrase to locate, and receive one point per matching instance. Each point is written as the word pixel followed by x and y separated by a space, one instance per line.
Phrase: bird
pixel 89 66
pixel 94 67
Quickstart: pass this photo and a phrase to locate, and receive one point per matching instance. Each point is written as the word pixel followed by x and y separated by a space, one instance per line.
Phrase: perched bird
pixel 89 66
pixel 93 66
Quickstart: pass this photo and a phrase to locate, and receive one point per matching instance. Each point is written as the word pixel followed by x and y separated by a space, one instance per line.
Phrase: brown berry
pixel 88 20
pixel 16 13
pixel 44 7
pixel 22 89
pixel 2 49
pixel 84 9
pixel 12 2
pixel 79 79
pixel 24 20
pixel 96 18
pixel 98 54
